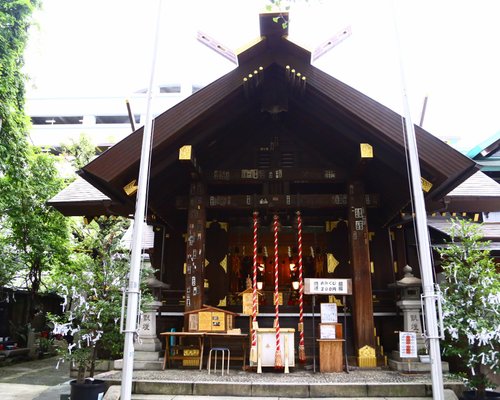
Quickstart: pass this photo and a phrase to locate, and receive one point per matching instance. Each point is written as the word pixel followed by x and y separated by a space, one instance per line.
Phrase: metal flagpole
pixel 139 219
pixel 423 243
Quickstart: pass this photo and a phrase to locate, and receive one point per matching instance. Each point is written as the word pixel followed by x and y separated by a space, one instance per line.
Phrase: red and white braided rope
pixel 254 283
pixel 276 292
pixel 302 355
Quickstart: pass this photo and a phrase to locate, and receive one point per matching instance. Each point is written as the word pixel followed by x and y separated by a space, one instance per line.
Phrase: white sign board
pixel 328 312
pixel 327 331
pixel 327 286
pixel 408 344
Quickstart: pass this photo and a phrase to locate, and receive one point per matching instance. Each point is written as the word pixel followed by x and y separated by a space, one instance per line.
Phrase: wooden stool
pixel 224 351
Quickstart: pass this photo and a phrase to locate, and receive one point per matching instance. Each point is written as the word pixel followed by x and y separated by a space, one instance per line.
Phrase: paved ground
pixel 30 380
pixel 42 380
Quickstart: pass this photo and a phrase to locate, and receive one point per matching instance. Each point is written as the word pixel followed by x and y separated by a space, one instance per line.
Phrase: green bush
pixel 471 303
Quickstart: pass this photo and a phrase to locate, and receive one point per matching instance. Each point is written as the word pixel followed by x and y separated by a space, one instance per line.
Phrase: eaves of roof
pixel 440 164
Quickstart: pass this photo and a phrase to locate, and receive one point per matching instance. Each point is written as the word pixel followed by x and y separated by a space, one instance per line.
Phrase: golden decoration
pixel 131 188
pixel 366 357
pixel 426 185
pixel 185 152
pixel 366 150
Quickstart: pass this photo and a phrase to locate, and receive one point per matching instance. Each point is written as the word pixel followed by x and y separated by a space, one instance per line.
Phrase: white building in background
pixel 105 120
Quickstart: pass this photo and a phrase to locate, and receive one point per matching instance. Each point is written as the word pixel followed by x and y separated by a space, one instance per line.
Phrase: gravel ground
pixel 270 376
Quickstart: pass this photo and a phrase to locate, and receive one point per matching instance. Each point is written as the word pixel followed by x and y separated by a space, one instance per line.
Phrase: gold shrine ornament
pixel 366 357
pixel 366 150
pixel 426 185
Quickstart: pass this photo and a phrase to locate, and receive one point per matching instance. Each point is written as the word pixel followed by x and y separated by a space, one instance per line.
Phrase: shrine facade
pixel 274 140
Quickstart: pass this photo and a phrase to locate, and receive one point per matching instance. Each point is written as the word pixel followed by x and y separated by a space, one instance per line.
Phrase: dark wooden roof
pixel 490 231
pixel 83 198
pixel 325 118
pixel 478 193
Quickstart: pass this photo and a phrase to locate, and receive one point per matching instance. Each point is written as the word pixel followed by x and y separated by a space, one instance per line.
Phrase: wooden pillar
pixel 195 247
pixel 364 335
pixel 400 255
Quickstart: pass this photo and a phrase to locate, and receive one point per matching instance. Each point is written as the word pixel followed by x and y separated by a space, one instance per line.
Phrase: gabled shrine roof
pixel 328 118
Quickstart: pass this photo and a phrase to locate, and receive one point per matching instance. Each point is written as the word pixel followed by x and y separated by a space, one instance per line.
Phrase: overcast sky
pixel 449 50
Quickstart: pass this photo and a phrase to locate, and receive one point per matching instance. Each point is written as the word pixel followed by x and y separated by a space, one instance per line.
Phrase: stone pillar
pixel 411 319
pixel 148 341
pixel 147 347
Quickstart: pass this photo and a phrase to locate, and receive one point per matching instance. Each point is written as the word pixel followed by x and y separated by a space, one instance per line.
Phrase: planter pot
pixel 90 390
pixel 471 395
pixel 424 358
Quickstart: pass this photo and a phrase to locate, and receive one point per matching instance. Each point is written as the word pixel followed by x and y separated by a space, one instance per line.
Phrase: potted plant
pixel 45 345
pixel 91 288
pixel 471 305
pixel 423 355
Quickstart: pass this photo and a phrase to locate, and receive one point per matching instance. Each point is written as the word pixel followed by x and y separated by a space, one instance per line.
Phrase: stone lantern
pixel 410 304
pixel 147 347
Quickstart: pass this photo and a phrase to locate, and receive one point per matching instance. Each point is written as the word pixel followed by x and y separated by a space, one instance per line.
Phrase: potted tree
pixel 91 289
pixel 471 305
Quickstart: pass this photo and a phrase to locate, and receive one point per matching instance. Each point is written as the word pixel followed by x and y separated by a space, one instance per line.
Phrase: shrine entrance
pixel 266 251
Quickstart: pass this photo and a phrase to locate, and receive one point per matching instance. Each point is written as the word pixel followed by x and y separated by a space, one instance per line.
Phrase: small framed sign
pixel 408 344
pixel 328 312
pixel 327 331
pixel 327 286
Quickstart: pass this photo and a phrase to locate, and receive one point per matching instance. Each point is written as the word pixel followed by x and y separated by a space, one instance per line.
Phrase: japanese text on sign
pixel 327 286
pixel 408 344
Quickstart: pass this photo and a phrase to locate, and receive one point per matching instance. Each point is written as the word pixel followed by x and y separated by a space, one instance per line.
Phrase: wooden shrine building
pixel 275 136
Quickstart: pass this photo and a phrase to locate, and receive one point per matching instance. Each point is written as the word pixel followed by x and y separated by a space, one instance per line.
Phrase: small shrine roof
pixel 211 308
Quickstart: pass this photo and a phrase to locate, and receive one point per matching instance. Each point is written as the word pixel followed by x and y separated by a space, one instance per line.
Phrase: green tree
pixel 33 236
pixel 91 286
pixel 15 19
pixel 471 303
pixel 80 152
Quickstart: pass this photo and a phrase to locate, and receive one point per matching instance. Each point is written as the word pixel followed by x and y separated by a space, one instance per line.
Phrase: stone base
pixel 149 344
pixel 147 356
pixel 156 365
pixel 414 365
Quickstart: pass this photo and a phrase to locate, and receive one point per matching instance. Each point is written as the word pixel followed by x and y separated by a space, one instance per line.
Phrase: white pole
pixel 139 219
pixel 423 243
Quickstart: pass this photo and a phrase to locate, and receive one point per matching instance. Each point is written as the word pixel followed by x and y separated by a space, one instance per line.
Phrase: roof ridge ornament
pixel 216 46
pixel 330 43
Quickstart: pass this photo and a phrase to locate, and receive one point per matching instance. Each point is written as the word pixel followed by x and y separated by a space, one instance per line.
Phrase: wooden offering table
pixel 197 359
pixel 184 357
pixel 330 355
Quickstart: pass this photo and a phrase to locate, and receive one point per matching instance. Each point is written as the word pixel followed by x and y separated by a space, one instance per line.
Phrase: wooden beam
pixel 309 201
pixel 365 157
pixel 401 258
pixel 255 175
pixel 364 339
pixel 195 247
pixel 187 157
